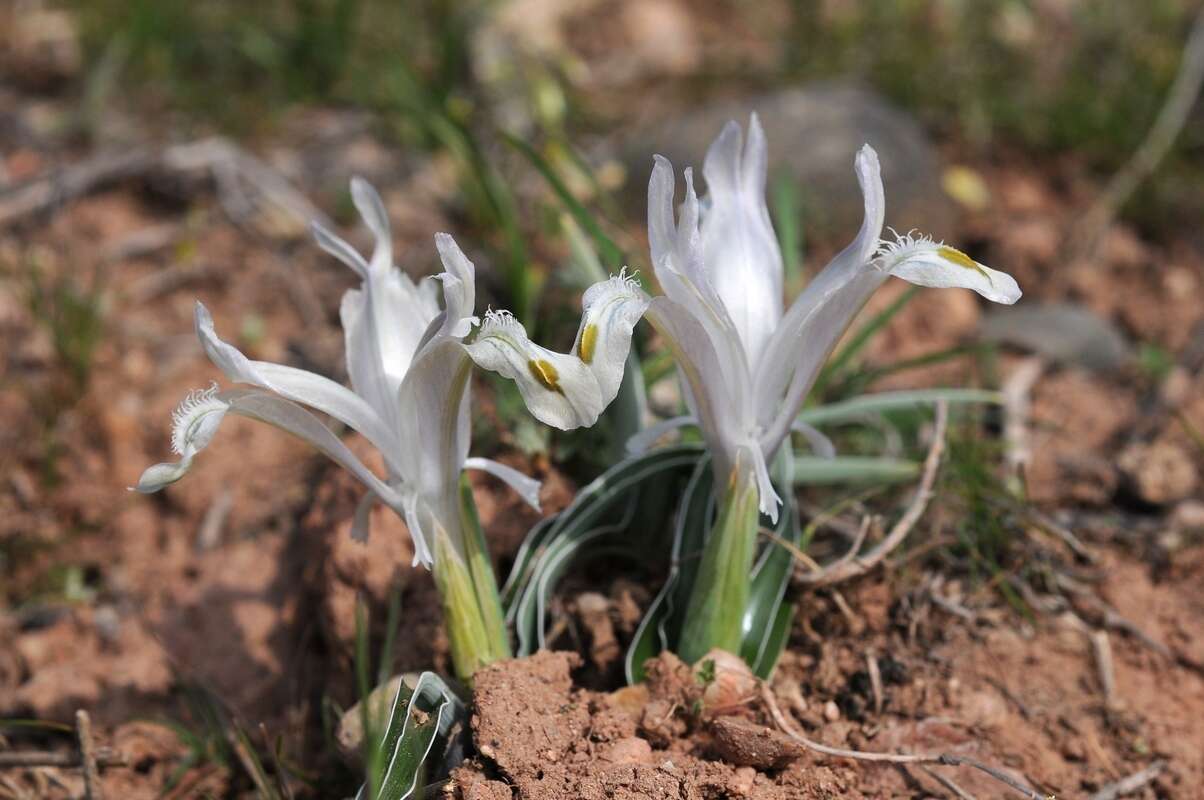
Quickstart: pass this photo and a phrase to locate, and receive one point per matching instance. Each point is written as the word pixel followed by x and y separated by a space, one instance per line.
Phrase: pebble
pixel 831 711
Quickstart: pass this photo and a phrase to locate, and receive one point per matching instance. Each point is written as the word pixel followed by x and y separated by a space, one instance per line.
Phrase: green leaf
pixel 857 408
pixel 661 628
pixel 419 745
pixel 770 578
pixel 787 216
pixel 661 624
pixel 819 471
pixel 637 491
pixel 612 255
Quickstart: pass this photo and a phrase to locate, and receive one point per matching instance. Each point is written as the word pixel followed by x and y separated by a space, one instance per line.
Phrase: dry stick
pixel 1113 619
pixel 1103 662
pixel 1064 534
pixel 1017 402
pixel 1130 784
pixel 943 759
pixel 83 727
pixel 843 570
pixel 871 666
pixel 220 157
pixel 103 756
pixel 1166 128
pixel 948 783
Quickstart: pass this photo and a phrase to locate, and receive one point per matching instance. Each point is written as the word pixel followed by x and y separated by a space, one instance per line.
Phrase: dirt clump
pixel 540 736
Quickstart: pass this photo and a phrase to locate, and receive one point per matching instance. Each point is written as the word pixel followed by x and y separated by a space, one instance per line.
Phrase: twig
pixel 958 791
pixel 83 728
pixel 1130 784
pixel 945 759
pixel 1017 401
pixel 1162 134
pixel 1067 537
pixel 103 756
pixel 860 565
pixel 956 609
pixel 854 546
pixel 43 194
pixel 1113 619
pixel 1103 662
pixel 871 666
pixel 210 533
pixel 231 168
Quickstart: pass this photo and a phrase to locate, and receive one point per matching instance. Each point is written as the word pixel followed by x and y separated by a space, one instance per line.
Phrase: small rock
pixel 632 750
pixel 1188 516
pixel 984 709
pixel 831 711
pixel 742 781
pixel 731 682
pixel 488 790
pixel 630 699
pixel 1065 333
pixel 1160 472
pixel 593 609
pixel 747 744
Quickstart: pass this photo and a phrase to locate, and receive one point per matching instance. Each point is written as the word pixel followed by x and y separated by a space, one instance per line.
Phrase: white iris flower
pixel 409 362
pixel 747 366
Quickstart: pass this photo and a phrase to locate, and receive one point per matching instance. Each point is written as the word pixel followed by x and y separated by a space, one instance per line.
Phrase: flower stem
pixel 715 615
pixel 477 633
pixel 481 570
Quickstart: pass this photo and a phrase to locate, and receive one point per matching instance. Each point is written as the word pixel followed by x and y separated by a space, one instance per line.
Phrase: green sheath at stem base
pixel 472 612
pixel 715 615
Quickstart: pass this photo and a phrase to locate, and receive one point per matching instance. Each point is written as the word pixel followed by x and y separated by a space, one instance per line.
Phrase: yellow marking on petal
pixel 546 374
pixel 955 256
pixel 589 340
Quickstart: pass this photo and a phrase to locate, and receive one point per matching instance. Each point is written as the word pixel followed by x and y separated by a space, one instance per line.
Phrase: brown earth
pixel 1025 698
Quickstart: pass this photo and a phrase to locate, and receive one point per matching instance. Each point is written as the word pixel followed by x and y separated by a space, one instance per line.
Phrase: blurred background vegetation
pixel 1046 75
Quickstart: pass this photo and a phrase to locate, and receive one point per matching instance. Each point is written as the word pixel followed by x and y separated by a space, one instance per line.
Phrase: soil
pixel 1023 697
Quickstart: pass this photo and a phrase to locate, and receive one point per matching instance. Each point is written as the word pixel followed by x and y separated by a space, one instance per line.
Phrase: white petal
pixel 289 416
pixel 157 476
pixel 769 500
pixel 194 423
pixel 921 261
pixel 340 249
pixel 433 405
pixel 640 442
pixel 459 287
pixel 295 384
pixel 713 399
pixel 526 487
pixel 678 264
pixel 367 201
pixel 560 390
pixel 385 319
pixel 364 368
pixel 820 315
pixel 740 251
pixel 610 310
pixel 418 535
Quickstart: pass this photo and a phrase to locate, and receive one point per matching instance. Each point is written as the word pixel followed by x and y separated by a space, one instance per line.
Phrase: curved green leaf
pixel 637 490
pixel 817 470
pixel 419 742
pixel 855 409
